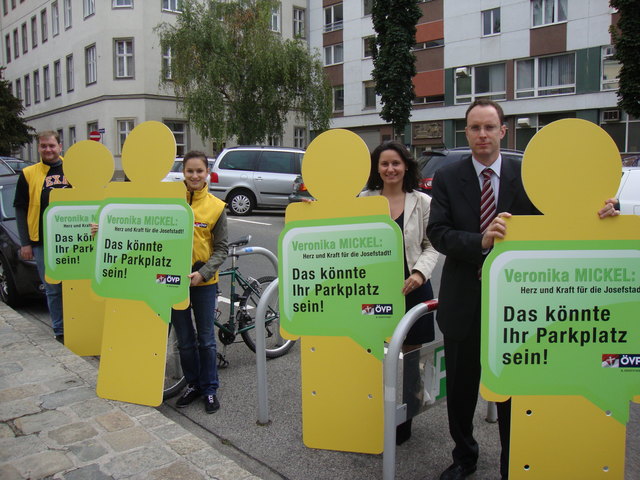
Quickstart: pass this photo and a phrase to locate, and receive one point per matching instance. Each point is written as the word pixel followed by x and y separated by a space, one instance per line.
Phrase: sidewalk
pixel 53 425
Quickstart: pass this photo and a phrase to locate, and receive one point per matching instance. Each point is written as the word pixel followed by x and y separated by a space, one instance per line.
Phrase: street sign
pixel 95 135
pixel 101 130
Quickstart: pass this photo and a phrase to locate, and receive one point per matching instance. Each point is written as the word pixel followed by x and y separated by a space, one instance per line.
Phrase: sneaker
pixel 59 338
pixel 211 404
pixel 189 395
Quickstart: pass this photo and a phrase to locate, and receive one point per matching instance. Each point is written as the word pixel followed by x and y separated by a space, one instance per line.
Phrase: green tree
pixel 13 131
pixel 236 77
pixel 393 61
pixel 626 38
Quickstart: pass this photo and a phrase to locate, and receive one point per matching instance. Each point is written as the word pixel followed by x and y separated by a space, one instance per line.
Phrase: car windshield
pixel 5 169
pixel 177 166
pixel 7 194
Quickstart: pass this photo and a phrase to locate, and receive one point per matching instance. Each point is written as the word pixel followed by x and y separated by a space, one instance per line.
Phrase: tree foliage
pixel 236 77
pixel 393 61
pixel 13 131
pixel 626 38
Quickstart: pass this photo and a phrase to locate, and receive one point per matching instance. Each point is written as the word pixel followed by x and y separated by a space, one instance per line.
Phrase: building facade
pixel 544 59
pixel 83 66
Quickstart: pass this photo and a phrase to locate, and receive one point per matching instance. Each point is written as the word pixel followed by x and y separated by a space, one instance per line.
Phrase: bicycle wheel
pixel 276 346
pixel 174 380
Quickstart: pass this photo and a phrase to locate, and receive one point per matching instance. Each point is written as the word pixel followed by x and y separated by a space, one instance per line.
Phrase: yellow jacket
pixel 35 175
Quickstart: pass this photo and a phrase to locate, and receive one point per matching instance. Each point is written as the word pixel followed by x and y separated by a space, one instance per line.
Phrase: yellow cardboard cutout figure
pixel 88 166
pixel 570 167
pixel 135 338
pixel 342 385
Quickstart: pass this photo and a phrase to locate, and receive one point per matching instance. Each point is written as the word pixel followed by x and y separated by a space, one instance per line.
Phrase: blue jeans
pixel 53 291
pixel 198 358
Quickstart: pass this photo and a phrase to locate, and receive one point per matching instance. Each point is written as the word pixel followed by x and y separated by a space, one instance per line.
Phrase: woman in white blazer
pixel 394 175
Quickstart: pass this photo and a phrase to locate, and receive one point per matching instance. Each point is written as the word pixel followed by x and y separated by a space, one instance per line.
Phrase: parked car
pixel 176 175
pixel 250 177
pixel 16 164
pixel 300 192
pixel 629 191
pixel 437 158
pixel 19 278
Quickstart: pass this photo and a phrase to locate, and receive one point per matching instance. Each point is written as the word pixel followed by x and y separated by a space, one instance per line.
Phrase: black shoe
pixel 458 472
pixel 403 432
pixel 59 338
pixel 189 395
pixel 211 404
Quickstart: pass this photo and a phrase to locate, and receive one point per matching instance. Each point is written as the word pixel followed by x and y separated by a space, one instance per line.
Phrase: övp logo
pixel 630 360
pixel 165 279
pixel 377 309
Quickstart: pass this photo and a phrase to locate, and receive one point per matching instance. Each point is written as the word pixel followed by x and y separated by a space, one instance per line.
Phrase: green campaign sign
pixel 561 318
pixel 144 252
pixel 69 247
pixel 342 277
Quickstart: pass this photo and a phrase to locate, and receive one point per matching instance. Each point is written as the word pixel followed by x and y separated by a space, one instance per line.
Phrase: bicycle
pixel 241 319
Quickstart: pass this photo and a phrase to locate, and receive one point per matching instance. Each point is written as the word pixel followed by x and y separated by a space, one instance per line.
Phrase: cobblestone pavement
pixel 53 425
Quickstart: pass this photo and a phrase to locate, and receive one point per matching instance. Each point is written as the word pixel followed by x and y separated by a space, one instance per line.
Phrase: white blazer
pixel 420 254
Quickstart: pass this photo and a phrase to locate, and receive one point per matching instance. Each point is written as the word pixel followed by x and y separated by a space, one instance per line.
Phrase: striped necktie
pixel 487 201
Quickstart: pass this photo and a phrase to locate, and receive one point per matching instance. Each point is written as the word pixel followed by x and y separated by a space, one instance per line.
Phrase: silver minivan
pixel 250 177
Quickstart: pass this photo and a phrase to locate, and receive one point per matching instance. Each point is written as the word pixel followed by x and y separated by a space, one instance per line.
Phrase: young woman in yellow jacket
pixel 198 346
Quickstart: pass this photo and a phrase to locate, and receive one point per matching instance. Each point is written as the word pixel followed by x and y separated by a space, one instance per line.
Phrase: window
pixel 122 3
pixel 46 82
pixel 18 89
pixel 70 83
pixel 34 31
pixel 61 135
pixel 179 130
pixel 57 78
pixel 123 52
pixel 36 86
pixel 485 81
pixel 91 127
pixel 275 19
pixel 5 7
pixel 7 48
pixel 172 5
pixel 298 22
pixel 367 46
pixel 369 89
pixel 610 69
pixel 72 136
pixel 55 19
pixel 166 63
pixel 333 54
pixel 124 129
pixel 67 14
pixel 88 7
pixel 554 75
pixel 27 91
pixel 333 18
pixel 299 137
pixel 367 7
pixel 546 12
pixel 491 22
pixel 429 44
pixel 265 164
pixel 16 44
pixel 338 99
pixel 91 64
pixel 25 39
pixel 44 32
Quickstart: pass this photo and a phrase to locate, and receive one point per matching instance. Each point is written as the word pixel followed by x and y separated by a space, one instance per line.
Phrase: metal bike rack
pixel 261 351
pixel 260 251
pixel 390 373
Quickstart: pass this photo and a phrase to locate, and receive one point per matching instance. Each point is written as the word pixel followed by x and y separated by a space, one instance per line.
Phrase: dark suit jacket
pixel 454 230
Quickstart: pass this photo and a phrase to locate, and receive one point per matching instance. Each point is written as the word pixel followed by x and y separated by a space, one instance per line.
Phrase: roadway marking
pixel 248 221
pixel 226 300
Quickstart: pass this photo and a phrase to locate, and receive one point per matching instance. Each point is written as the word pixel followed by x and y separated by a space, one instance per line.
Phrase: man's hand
pixel 497 229
pixel 412 282
pixel 195 279
pixel 609 209
pixel 26 252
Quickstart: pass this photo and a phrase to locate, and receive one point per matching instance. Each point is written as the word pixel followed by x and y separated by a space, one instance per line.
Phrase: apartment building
pixel 544 59
pixel 84 66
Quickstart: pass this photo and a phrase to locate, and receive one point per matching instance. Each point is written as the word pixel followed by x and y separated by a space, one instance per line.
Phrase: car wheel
pixel 8 290
pixel 241 202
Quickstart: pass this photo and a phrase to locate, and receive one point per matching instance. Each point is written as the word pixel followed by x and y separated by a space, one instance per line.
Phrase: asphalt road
pixel 276 451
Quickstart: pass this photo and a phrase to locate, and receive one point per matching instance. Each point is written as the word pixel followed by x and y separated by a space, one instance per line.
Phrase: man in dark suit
pixel 454 229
